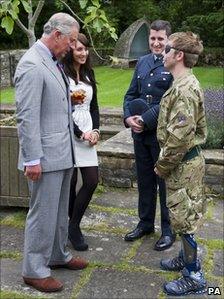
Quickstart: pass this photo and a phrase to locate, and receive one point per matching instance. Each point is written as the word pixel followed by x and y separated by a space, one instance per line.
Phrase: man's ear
pixel 57 35
pixel 180 55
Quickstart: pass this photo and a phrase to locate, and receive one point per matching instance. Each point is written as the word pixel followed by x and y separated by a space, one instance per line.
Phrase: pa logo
pixel 214 291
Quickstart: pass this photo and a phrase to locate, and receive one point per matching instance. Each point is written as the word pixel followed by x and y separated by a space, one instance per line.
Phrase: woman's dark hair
pixel 86 73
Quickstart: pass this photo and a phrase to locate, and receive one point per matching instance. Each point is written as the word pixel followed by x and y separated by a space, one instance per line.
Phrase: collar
pixel 44 47
pixel 185 75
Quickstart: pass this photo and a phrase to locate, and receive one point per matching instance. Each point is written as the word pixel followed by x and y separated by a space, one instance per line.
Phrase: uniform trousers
pixel 46 228
pixel 146 156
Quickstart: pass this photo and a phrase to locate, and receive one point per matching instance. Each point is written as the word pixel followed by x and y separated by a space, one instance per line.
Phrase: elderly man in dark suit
pixel 141 109
pixel 45 131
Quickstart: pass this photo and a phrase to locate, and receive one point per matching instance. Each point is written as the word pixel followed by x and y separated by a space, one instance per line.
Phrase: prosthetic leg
pixel 192 280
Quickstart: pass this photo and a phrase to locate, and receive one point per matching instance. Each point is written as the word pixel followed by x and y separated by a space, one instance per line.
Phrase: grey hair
pixel 61 21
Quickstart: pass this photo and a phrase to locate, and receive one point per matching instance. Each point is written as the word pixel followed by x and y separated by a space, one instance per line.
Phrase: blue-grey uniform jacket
pixel 149 82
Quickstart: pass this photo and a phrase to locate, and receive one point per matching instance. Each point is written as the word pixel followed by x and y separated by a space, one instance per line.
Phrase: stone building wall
pixel 8 63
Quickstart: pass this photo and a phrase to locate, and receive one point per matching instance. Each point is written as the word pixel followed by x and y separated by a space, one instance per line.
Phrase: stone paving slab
pixel 125 199
pixel 218 263
pixel 117 284
pixel 118 269
pixel 151 259
pixel 12 238
pixel 104 248
pixel 11 279
pixel 112 220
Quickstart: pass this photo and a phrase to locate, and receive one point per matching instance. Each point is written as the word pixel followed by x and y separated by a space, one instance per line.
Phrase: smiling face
pixel 157 41
pixel 80 53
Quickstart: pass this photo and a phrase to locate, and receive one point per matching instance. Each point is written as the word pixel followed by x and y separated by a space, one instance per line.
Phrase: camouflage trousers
pixel 185 195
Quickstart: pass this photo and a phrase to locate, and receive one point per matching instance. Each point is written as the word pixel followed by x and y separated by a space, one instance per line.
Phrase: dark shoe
pixel 76 238
pixel 174 264
pixel 78 244
pixel 189 283
pixel 137 233
pixel 164 242
pixel 48 284
pixel 73 264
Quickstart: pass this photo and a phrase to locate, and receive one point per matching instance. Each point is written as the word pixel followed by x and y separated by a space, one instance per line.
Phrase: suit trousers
pixel 46 228
pixel 146 156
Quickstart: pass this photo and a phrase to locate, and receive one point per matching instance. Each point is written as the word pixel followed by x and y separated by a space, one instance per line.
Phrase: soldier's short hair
pixel 161 25
pixel 190 44
pixel 61 21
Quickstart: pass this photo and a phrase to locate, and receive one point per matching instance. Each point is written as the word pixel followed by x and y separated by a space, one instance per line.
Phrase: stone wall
pixel 117 164
pixel 9 60
pixel 8 63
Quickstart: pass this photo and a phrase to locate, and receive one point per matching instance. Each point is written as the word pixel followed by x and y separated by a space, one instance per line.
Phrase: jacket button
pixel 149 85
pixel 151 74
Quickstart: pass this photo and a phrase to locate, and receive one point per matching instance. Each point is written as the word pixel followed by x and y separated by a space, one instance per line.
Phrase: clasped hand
pixel 91 136
pixel 135 124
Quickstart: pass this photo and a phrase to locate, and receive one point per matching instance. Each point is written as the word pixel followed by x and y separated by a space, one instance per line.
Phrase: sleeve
pixel 28 106
pixel 132 93
pixel 150 117
pixel 181 129
pixel 94 108
pixel 76 130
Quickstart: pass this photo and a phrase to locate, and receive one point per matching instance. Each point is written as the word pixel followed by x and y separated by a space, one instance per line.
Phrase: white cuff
pixel 32 163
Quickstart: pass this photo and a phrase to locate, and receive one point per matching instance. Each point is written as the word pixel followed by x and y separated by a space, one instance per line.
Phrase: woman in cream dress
pixel 86 130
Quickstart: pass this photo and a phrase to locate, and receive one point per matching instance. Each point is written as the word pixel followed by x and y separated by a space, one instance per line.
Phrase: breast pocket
pixel 162 82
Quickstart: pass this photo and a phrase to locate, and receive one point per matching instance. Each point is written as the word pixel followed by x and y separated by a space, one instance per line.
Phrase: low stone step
pixel 109 131
pixel 108 116
pixel 111 116
pixel 117 163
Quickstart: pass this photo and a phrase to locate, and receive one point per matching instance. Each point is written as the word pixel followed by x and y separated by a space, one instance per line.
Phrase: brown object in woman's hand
pixel 78 96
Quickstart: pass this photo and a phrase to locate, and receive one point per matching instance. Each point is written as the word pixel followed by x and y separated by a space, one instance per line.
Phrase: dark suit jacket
pixel 149 82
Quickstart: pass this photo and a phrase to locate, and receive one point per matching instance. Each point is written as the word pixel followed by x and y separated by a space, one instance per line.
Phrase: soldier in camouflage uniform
pixel 181 130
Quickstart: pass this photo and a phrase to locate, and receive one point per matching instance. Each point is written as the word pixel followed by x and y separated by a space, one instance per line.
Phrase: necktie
pixel 59 66
pixel 158 58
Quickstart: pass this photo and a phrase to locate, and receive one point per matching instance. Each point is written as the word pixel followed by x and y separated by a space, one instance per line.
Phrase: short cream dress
pixel 85 154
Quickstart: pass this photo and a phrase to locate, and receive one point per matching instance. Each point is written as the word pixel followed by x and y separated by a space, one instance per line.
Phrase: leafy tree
pixel 10 9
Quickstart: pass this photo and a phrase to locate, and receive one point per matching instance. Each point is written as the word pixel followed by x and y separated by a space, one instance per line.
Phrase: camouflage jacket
pixel 181 123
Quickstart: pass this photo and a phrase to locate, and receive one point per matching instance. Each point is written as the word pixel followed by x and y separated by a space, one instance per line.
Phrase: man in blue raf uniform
pixel 141 109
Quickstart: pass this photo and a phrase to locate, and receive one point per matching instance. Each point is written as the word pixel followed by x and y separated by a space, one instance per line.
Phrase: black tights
pixel 79 202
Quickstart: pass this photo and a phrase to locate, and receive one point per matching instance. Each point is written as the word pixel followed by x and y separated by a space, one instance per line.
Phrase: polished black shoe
pixel 164 242
pixel 137 233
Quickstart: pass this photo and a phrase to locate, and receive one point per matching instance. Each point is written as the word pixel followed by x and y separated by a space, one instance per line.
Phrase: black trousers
pixel 146 156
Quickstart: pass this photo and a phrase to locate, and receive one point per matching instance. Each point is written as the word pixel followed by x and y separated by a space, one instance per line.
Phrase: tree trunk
pixel 31 37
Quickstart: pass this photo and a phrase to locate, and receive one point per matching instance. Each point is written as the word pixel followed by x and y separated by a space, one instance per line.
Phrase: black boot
pixel 76 238
pixel 79 203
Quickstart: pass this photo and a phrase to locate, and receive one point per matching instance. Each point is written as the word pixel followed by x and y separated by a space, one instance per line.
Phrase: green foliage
pixel 9 12
pixel 215 137
pixel 96 17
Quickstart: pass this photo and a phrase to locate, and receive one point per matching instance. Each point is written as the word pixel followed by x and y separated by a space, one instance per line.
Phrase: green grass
pixel 113 84
pixel 7 95
pixel 210 76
